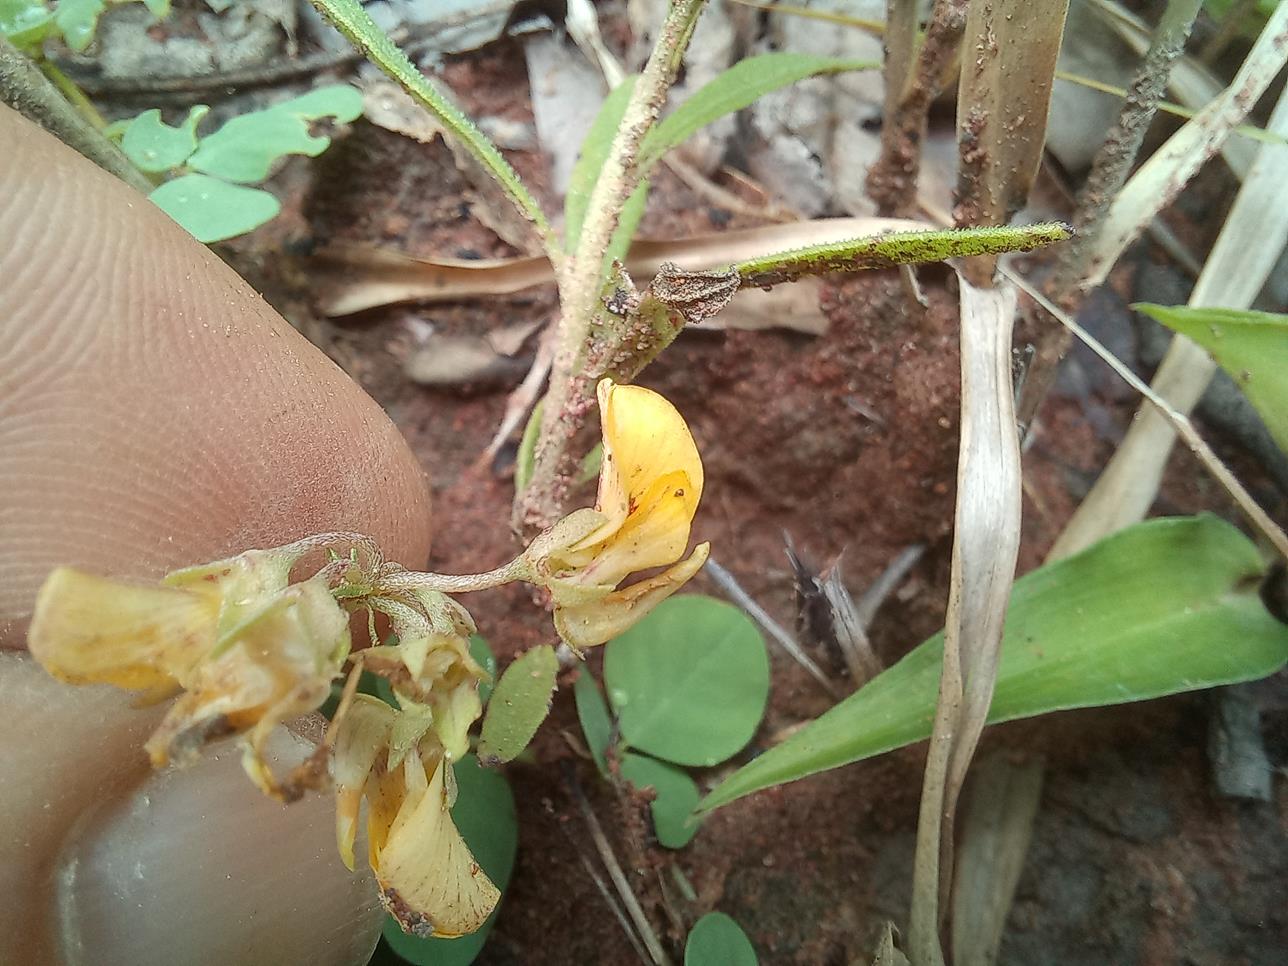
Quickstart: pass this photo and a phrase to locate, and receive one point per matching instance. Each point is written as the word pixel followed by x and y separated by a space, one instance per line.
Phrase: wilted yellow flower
pixel 428 878
pixel 649 487
pixel 247 650
pixel 435 671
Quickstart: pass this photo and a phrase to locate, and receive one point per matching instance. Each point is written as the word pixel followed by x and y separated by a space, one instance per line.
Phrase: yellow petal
pixel 645 438
pixel 245 583
pixel 586 625
pixel 363 736
pixel 653 535
pixel 89 629
pixel 279 665
pixel 428 879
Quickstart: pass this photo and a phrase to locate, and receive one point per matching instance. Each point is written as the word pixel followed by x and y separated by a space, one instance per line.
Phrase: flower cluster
pixel 245 648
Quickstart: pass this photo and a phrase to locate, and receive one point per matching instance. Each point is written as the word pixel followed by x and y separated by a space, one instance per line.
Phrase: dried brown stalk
pixel 914 78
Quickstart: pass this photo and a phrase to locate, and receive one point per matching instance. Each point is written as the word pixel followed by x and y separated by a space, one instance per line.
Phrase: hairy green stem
pixel 571 394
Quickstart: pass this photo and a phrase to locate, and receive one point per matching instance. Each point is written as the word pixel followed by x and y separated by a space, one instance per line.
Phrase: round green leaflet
pixel 677 797
pixel 716 940
pixel 484 812
pixel 689 682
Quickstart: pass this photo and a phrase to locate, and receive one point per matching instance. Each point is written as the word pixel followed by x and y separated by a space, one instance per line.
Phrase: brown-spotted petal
pixel 428 878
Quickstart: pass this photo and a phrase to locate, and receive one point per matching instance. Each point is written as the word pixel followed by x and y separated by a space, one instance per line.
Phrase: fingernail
pixel 196 866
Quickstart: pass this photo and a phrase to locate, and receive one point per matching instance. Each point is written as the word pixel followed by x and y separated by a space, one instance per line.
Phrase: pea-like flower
pixel 246 649
pixel 649 487
pixel 429 880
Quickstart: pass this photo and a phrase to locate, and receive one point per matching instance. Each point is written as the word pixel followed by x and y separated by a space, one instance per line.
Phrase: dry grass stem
pixel 1179 422
pixel 1002 803
pixel 985 548
pixel 729 584
pixel 1245 252
pixel 1003 99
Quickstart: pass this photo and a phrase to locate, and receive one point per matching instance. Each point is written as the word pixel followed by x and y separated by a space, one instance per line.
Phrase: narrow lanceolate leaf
pixel 740 86
pixel 355 23
pixel 519 703
pixel 1166 606
pixel 900 248
pixel 1252 347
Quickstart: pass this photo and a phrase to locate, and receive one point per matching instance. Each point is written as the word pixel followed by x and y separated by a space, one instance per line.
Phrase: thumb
pixel 108 862
pixel 154 412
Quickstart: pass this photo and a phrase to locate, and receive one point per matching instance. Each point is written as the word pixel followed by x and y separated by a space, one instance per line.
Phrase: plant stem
pixel 1260 520
pixel 1109 172
pixel 28 91
pixel 892 179
pixel 571 394
pixel 403 580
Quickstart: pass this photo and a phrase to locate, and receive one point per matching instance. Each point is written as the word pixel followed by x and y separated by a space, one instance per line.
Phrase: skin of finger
pixel 154 410
pixel 106 861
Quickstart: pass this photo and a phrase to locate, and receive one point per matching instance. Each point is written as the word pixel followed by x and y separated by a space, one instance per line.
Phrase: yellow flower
pixel 649 488
pixel 435 671
pixel 428 878
pixel 247 650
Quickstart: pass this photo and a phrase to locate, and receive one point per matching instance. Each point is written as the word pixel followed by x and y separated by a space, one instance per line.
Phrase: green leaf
pixel 897 248
pixel 484 812
pixel 245 148
pixel 740 86
pixel 212 210
pixel 677 797
pixel 594 152
pixel 483 656
pixel 77 20
pixel 689 682
pixel 158 8
pixel 716 940
pixel 520 702
pixel 1166 606
pixel 26 23
pixel 596 722
pixel 1252 347
pixel 154 146
pixel 525 459
pixel 354 22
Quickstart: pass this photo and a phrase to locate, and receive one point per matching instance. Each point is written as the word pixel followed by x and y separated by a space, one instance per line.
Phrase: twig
pixel 614 905
pixel 656 953
pixel 1109 172
pixel 726 582
pixel 872 599
pixel 24 88
pixel 892 179
pixel 1178 420
pixel 850 632
pixel 522 399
